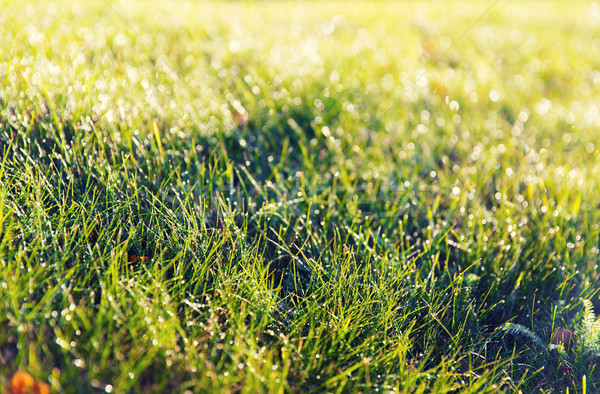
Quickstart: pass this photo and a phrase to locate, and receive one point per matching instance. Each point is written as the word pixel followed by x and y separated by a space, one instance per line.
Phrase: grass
pixel 300 196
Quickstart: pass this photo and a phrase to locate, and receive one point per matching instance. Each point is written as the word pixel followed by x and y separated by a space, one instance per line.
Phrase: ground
pixel 300 196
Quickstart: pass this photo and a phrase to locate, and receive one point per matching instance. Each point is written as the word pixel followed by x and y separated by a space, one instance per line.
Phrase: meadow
pixel 300 196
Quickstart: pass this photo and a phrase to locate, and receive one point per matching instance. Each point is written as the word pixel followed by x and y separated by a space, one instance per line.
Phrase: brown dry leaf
pixel 132 258
pixel 241 120
pixel 563 336
pixel 24 383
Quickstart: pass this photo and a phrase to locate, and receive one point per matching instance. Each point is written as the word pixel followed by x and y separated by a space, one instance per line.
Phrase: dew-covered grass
pixel 300 196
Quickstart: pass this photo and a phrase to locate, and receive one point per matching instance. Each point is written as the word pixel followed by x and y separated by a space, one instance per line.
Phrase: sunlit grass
pixel 292 196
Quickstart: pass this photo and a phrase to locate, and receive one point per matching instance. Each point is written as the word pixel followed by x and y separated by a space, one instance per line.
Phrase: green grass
pixel 300 196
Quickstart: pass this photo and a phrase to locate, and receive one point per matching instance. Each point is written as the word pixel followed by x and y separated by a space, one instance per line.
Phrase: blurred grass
pixel 266 197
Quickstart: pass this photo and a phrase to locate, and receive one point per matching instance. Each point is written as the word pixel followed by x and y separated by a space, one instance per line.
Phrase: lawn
pixel 300 196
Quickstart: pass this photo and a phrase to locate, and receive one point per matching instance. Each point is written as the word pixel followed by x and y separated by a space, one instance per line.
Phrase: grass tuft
pixel 273 197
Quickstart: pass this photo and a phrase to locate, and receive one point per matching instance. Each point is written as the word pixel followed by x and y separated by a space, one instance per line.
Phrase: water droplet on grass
pixel 494 95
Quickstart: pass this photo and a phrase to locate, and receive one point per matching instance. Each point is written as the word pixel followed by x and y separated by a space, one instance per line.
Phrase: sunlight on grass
pixel 300 196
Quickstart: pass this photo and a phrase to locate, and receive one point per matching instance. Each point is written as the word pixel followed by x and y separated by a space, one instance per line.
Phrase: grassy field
pixel 300 196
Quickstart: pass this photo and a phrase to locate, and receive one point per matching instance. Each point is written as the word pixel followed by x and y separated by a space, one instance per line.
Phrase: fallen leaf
pixel 563 336
pixel 24 383
pixel 132 258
